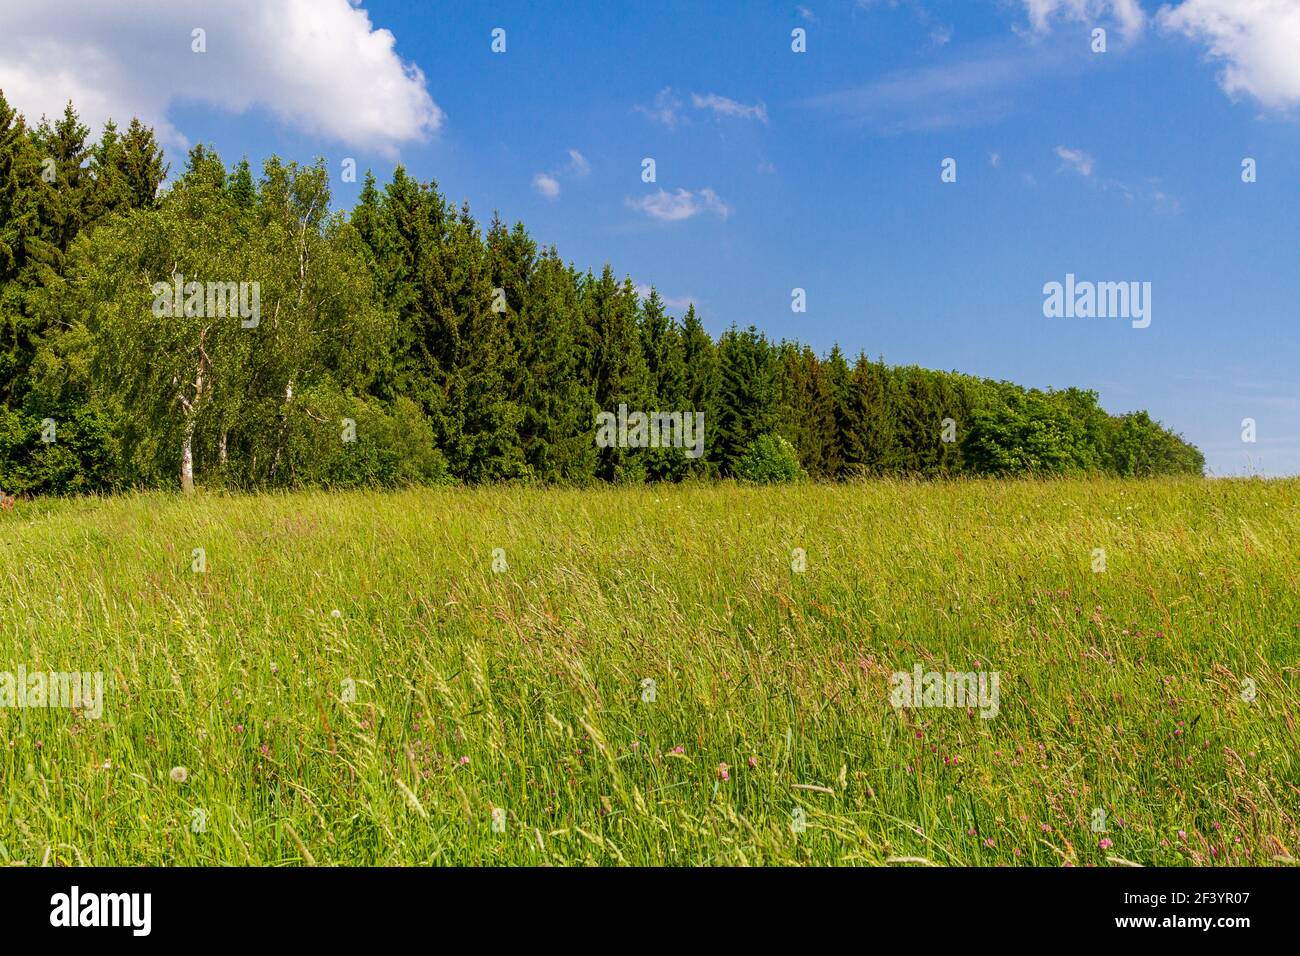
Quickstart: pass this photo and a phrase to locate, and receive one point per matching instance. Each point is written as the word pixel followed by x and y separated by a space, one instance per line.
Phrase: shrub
pixel 770 459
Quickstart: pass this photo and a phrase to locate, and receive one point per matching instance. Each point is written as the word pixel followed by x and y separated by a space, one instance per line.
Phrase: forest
pixel 402 343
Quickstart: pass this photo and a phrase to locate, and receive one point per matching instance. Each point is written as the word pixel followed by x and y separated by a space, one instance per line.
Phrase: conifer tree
pixel 64 209
pixel 618 364
pixel 22 250
pixel 483 418
pixel 665 362
pixel 871 442
pixel 559 406
pixel 700 360
pixel 748 396
pixel 239 185
pixel 141 164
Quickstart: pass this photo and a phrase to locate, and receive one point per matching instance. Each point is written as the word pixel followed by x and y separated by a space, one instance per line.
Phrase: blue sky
pixel 821 170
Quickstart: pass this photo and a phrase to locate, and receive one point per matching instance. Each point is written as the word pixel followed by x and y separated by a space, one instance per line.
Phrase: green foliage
pixel 770 459
pixel 391 317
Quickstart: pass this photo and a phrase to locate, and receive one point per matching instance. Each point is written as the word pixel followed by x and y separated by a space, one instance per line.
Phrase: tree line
pixel 402 343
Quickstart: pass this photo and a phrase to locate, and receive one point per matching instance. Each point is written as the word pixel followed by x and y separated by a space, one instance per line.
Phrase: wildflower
pixel 1106 843
pixel 724 772
pixel 753 762
pixel 336 614
pixel 679 749
pixel 179 774
pixel 1045 828
pixel 464 760
pixel 1182 835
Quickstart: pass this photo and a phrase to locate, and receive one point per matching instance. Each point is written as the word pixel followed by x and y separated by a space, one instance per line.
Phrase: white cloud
pixel 578 164
pixel 1076 159
pixel 807 14
pixel 665 110
pixel 1258 40
pixel 1128 13
pixel 683 204
pixel 722 106
pixel 995 159
pixel 318 65
pixel 547 185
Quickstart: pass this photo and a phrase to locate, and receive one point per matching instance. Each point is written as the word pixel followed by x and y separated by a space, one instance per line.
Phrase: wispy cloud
pixel 666 110
pixel 578 164
pixel 683 204
pixel 1076 159
pixel 723 106
pixel 1128 14
pixel 965 93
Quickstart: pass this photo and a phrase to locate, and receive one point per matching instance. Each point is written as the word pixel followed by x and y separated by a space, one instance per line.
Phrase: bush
pixel 770 459
pixel 391 446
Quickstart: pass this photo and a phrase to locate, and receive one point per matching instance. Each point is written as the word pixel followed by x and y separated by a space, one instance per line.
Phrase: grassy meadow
pixel 350 681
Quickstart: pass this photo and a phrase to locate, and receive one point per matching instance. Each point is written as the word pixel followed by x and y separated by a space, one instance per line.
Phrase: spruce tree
pixel 665 362
pixel 749 394
pixel 700 360
pixel 618 364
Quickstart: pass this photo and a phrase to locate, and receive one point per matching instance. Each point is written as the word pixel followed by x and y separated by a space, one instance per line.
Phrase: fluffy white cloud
pixel 722 106
pixel 547 185
pixel 1258 40
pixel 318 65
pixel 683 204
pixel 1128 13
pixel 1076 159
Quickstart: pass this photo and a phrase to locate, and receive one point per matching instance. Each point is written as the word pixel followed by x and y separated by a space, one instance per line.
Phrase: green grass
pixel 1119 690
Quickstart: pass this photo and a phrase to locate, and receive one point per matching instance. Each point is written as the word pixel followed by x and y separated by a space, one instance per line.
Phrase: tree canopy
pixel 228 328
